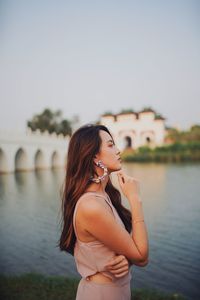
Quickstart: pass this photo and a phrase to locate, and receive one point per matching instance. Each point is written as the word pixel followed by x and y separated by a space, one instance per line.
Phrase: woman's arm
pixel 139 264
pixel 99 222
pixel 119 265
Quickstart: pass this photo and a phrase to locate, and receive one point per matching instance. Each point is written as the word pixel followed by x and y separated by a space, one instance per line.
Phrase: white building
pixel 135 129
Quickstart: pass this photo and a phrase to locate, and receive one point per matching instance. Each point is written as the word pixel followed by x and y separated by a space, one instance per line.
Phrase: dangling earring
pixel 105 173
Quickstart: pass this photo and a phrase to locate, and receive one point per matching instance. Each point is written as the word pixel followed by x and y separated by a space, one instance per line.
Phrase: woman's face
pixel 109 154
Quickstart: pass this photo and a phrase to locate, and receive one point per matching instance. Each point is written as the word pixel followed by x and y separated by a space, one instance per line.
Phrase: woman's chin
pixel 118 168
pixel 120 165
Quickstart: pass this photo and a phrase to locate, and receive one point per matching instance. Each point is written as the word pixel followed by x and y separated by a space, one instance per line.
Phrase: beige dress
pixel 91 257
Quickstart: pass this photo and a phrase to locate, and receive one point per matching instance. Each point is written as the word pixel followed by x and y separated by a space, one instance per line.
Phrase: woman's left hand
pixel 119 266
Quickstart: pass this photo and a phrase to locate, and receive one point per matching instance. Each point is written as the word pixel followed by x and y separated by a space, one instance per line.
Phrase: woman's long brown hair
pixel 83 146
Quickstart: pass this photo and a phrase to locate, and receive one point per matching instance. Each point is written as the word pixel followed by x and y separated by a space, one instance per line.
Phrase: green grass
pixel 34 286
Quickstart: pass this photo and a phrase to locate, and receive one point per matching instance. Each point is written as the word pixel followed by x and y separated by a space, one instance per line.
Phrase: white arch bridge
pixel 26 151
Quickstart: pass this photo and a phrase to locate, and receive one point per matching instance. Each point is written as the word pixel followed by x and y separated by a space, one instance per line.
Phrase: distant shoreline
pixel 177 152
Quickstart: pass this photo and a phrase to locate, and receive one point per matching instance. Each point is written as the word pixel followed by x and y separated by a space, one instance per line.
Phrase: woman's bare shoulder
pixel 89 203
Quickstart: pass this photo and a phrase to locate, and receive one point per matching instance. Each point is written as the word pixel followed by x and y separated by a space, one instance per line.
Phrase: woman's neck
pixel 98 187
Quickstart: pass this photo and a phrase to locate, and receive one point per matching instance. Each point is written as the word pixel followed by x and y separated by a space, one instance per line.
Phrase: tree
pixel 148 109
pixel 176 136
pixel 126 111
pixel 50 121
pixel 107 113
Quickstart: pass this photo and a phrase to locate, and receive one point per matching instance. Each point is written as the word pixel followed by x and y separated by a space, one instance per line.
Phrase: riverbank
pixel 177 152
pixel 34 286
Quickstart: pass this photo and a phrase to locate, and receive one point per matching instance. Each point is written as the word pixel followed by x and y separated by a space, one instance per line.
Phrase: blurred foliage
pixel 191 135
pixel 176 152
pixel 107 113
pixel 147 109
pixel 50 121
pixel 125 111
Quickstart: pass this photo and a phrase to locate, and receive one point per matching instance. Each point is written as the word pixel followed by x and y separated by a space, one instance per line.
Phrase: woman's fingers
pixel 121 178
pixel 121 275
pixel 129 185
pixel 120 270
pixel 116 259
pixel 118 262
pixel 118 266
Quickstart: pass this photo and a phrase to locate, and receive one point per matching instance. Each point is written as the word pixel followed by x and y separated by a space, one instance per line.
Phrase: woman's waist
pixel 100 278
pixel 108 278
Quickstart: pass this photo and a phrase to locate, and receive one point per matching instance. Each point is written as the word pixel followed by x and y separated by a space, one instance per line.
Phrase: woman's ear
pixel 95 160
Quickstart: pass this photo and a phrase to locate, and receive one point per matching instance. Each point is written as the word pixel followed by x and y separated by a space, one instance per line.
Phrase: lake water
pixel 30 214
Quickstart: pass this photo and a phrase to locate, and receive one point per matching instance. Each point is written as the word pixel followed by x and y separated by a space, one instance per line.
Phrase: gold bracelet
pixel 136 221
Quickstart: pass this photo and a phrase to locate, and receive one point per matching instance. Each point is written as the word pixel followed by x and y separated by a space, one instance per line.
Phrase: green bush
pixel 177 152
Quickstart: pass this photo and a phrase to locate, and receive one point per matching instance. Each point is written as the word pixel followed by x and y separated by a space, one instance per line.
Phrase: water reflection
pixel 21 180
pixel 3 185
pixel 29 225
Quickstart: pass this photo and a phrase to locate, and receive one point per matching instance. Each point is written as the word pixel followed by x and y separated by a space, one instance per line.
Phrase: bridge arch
pixel 28 151
pixel 55 160
pixel 3 161
pixel 65 160
pixel 21 160
pixel 39 160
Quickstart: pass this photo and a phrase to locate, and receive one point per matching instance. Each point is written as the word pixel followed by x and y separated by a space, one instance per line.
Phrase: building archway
pixel 147 138
pixel 20 160
pixel 128 142
pixel 126 139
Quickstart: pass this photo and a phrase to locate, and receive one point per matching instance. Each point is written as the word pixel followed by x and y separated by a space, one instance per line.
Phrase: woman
pixel 103 236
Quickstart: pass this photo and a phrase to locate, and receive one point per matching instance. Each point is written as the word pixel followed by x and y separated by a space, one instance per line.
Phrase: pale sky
pixel 88 57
